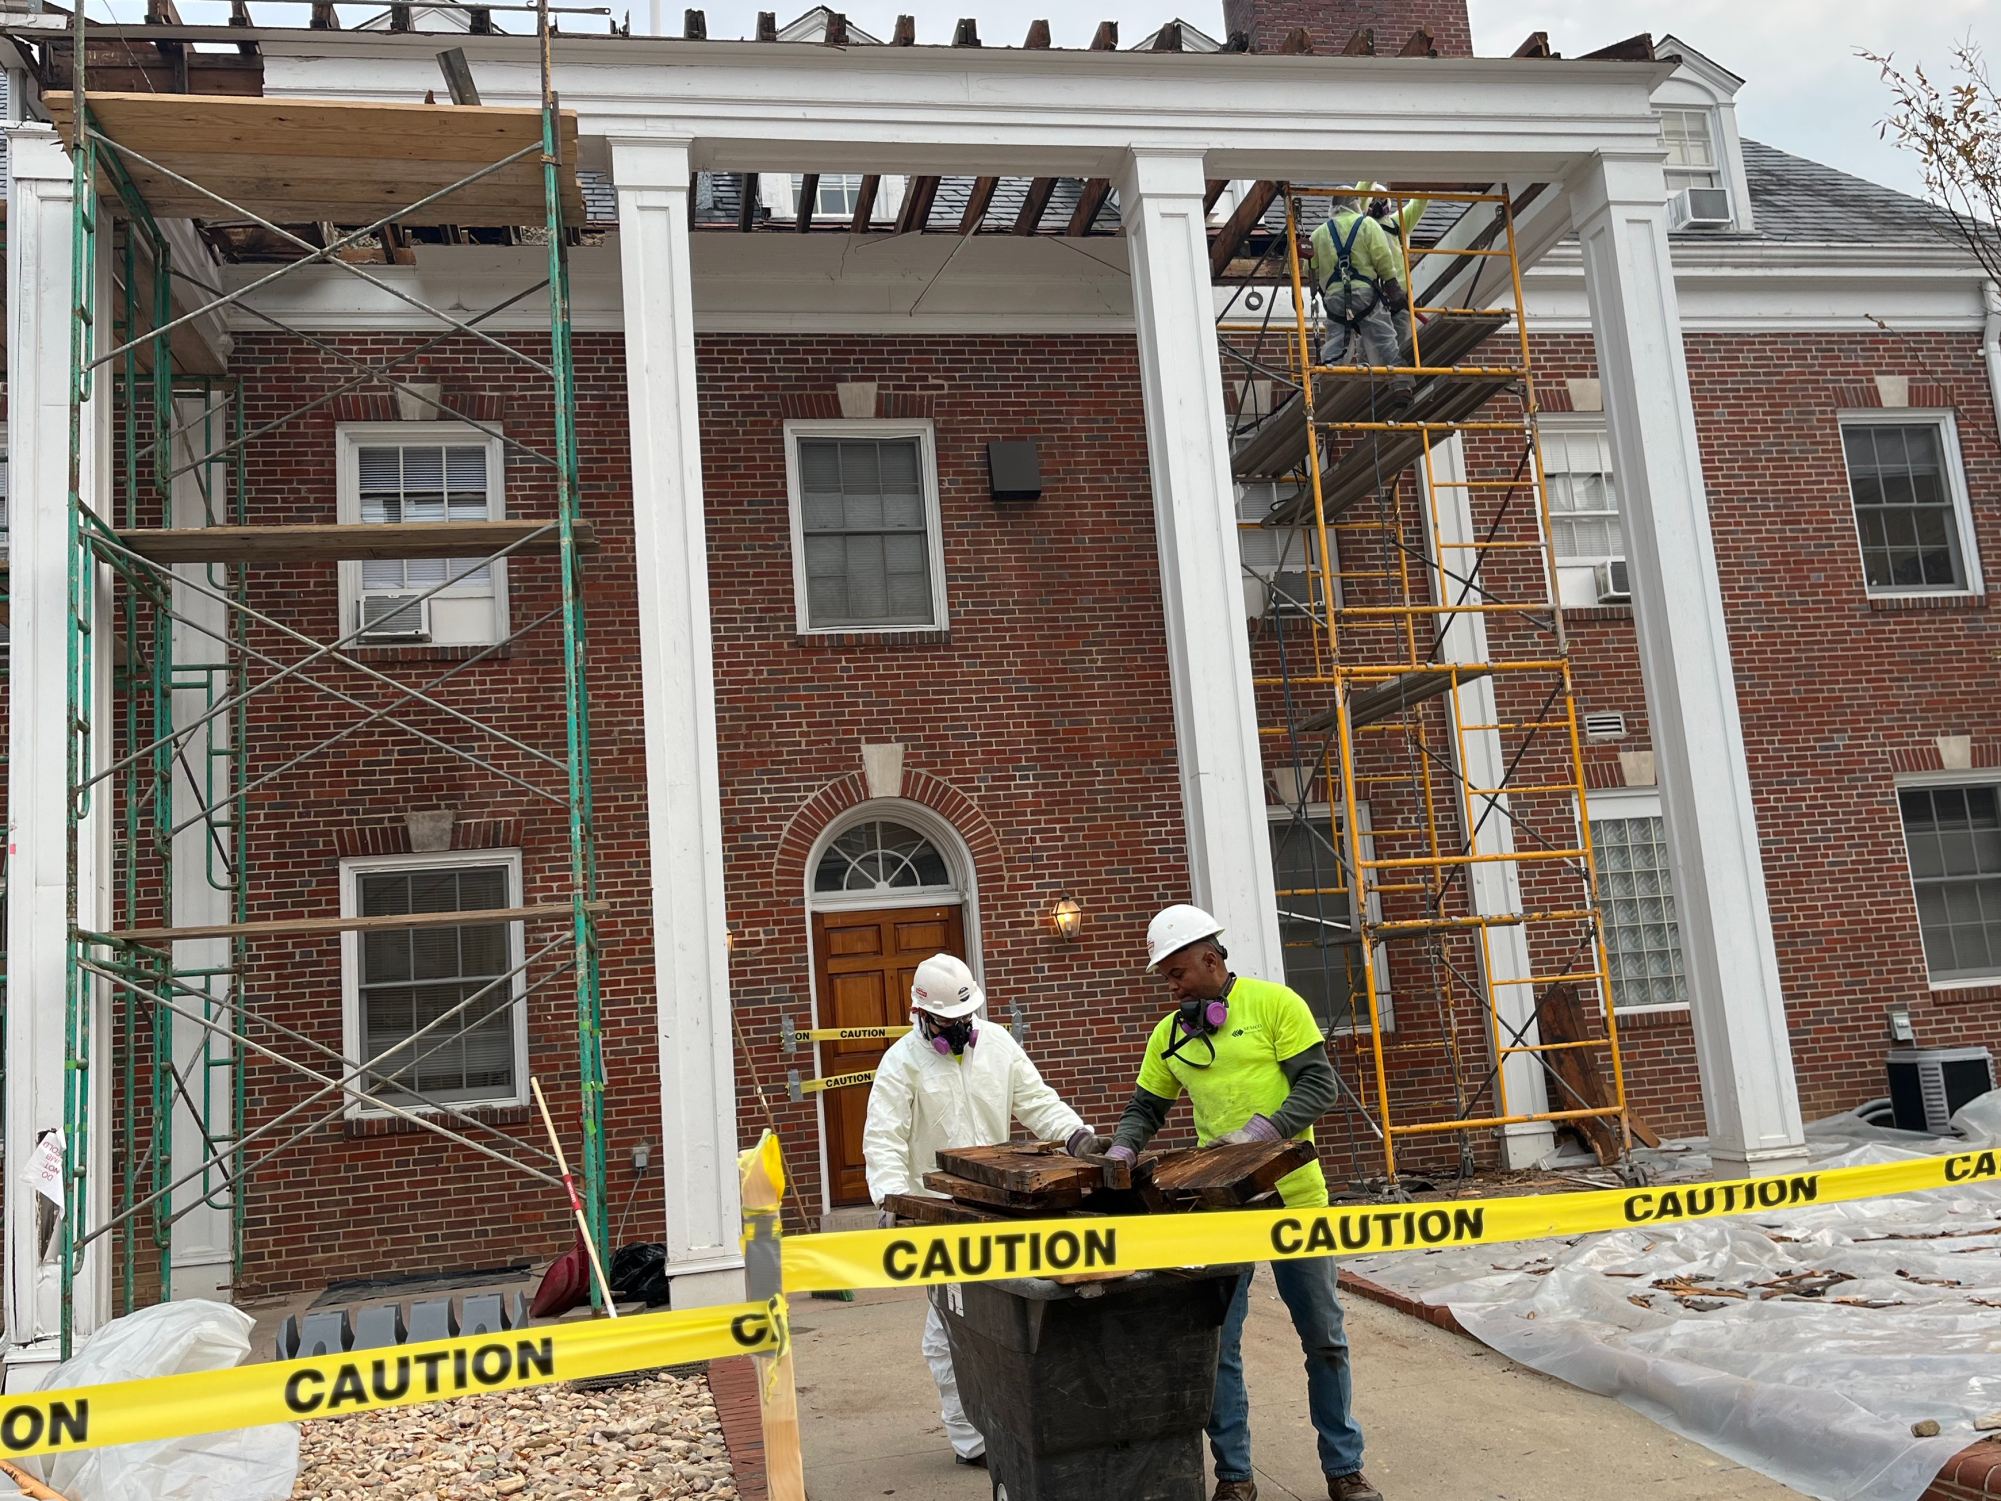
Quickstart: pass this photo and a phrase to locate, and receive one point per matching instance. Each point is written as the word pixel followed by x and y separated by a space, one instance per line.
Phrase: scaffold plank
pixel 361 541
pixel 293 160
pixel 308 927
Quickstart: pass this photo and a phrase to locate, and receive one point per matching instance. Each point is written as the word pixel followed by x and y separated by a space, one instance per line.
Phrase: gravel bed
pixel 658 1438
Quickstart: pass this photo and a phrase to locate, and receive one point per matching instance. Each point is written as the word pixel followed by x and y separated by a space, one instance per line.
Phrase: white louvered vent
pixel 1605 727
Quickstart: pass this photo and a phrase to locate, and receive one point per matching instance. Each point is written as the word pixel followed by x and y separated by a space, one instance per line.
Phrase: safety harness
pixel 1344 270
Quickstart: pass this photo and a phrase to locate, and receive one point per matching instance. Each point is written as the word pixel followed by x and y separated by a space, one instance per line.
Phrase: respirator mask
pixel 949 1037
pixel 1196 1021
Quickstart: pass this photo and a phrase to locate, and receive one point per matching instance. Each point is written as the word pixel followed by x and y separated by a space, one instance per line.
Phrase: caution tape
pixel 1021 1248
pixel 791 1034
pixel 290 1391
pixel 799 1088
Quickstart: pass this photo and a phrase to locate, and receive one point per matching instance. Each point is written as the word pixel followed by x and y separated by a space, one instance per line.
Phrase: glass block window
pixel 1905 512
pixel 1324 957
pixel 1636 894
pixel 1954 838
pixel 1691 149
pixel 864 524
pixel 412 978
pixel 1583 500
pixel 882 856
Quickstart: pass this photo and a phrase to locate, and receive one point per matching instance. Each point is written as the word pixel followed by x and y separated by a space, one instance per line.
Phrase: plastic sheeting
pixel 169 1339
pixel 1757 1351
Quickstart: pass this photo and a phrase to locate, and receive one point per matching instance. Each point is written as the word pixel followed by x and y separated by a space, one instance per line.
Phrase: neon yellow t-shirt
pixel 1267 1023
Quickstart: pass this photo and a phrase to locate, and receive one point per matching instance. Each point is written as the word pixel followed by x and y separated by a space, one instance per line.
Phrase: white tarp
pixel 1810 1380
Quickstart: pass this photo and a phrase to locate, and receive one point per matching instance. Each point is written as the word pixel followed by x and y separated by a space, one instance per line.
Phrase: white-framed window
pixel 1642 930
pixel 1586 533
pixel 836 197
pixel 437 1013
pixel 1952 834
pixel 868 552
pixel 422 471
pixel 1692 158
pixel 1323 948
pixel 1280 569
pixel 1912 520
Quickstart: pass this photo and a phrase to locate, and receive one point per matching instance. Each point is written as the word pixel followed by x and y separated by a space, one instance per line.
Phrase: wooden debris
pixel 928 1211
pixel 1230 1177
pixel 1031 1172
pixel 1063 1195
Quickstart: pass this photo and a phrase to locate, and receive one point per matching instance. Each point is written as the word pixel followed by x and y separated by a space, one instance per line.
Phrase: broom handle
pixel 576 1204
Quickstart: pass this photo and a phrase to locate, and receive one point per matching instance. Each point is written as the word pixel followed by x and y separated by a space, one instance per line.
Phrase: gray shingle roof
pixel 1796 199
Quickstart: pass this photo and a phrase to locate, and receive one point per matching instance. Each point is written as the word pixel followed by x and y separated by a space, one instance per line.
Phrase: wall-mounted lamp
pixel 1066 918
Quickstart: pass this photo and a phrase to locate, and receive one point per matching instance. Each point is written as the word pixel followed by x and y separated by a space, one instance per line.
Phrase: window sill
pixel 1652 1016
pixel 1597 612
pixel 463 653
pixel 1927 601
pixel 372 1124
pixel 1948 992
pixel 831 640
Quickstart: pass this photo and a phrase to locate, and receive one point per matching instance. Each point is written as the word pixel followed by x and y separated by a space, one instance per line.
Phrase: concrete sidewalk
pixel 1446 1418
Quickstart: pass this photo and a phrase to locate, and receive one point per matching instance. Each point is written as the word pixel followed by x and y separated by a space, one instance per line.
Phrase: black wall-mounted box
pixel 1014 470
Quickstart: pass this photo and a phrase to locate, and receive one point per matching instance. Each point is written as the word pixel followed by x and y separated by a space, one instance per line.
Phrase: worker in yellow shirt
pixel 1397 224
pixel 1359 277
pixel 1254 1066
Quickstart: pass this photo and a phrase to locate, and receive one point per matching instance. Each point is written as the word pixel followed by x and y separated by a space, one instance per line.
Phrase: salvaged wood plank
pixel 1229 1177
pixel 929 1211
pixel 1065 1195
pixel 1032 1171
pixel 339 543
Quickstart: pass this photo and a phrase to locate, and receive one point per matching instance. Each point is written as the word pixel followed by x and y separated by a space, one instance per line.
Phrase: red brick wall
pixel 1331 22
pixel 1041 726
pixel 1838 693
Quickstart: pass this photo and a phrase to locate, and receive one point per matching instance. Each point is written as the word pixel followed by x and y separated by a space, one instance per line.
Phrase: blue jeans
pixel 1308 1289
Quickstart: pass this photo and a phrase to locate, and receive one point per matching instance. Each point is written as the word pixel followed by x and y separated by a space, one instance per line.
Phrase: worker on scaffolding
pixel 1397 222
pixel 952 1082
pixel 1361 281
pixel 1255 1068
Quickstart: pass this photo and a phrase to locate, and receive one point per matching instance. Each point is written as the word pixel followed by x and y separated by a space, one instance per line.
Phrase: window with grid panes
pixel 1636 895
pixel 1691 149
pixel 1953 835
pixel 1583 500
pixel 837 196
pixel 1324 957
pixel 1282 559
pixel 865 531
pixel 451 980
pixel 425 482
pixel 1906 515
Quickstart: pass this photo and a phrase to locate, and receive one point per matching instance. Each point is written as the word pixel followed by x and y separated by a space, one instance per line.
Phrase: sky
pixel 1806 91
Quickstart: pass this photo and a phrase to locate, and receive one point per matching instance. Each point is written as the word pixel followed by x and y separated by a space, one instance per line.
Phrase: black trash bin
pixel 1094 1390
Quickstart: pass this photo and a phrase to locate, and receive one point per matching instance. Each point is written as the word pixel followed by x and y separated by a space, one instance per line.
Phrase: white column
pixel 1494 889
pixel 1201 589
pixel 203 1257
pixel 39 914
pixel 684 812
pixel 1742 1048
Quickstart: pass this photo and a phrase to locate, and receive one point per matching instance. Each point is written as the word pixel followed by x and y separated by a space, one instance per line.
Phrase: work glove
pixel 1120 1152
pixel 885 1219
pixel 1257 1128
pixel 1084 1142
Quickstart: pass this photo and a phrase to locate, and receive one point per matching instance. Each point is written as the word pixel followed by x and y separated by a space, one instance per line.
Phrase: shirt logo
pixel 1238 1033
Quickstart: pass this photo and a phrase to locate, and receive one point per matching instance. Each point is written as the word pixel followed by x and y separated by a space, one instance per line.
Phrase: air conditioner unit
pixel 1928 1085
pixel 1699 208
pixel 395 617
pixel 1612 586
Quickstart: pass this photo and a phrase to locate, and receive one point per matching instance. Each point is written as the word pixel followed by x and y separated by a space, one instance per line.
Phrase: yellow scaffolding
pixel 1396 715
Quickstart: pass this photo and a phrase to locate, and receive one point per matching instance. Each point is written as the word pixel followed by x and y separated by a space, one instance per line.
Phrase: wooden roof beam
pixel 1168 38
pixel 365 541
pixel 1237 228
pixel 1211 191
pixel 1096 190
pixel 1634 49
pixel 1361 44
pixel 865 204
pixel 977 204
pixel 906 32
pixel 746 209
pixel 324 17
pixel 767 26
pixel 809 193
pixel 1034 206
pixel 694 26
pixel 837 29
pixel 1419 45
pixel 1038 37
pixel 1107 38
pixel 918 196
pixel 1536 45
pixel 967 33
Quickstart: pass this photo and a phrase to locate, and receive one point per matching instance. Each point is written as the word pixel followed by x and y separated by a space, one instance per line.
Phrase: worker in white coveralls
pixel 1252 1061
pixel 953 1080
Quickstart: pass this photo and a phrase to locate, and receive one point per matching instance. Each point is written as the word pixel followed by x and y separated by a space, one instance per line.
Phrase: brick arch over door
pixel 802 832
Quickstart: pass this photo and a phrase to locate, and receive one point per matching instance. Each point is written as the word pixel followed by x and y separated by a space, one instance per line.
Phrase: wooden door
pixel 865 962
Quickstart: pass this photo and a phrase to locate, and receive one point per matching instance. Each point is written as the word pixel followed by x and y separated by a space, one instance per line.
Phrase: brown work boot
pixel 1236 1490
pixel 1353 1487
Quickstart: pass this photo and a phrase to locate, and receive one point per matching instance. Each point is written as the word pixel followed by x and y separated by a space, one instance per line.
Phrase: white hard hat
pixel 1175 928
pixel 945 988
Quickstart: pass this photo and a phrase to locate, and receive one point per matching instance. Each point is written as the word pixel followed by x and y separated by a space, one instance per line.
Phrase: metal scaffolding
pixel 193 655
pixel 1435 871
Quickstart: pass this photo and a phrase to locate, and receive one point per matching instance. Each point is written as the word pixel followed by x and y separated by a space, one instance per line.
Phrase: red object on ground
pixel 565 1285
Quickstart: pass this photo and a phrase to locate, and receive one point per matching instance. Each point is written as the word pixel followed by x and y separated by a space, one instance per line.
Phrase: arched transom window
pixel 881 856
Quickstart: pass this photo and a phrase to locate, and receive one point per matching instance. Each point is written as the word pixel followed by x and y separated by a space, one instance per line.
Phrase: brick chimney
pixel 1331 22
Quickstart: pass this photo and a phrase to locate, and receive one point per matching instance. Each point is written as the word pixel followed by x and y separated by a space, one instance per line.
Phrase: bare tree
pixel 1954 130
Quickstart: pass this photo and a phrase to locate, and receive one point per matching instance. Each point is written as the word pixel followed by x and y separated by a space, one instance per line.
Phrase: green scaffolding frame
pixel 210 752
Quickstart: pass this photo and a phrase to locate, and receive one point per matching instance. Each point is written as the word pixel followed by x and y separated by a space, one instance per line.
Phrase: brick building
pixel 854 699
